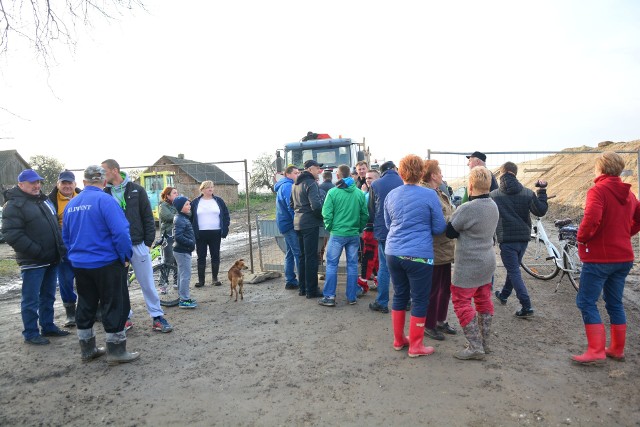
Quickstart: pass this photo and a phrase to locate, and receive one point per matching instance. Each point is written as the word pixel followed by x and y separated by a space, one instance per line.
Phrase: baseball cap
pixel 179 202
pixel 94 173
pixel 312 162
pixel 478 155
pixel 29 175
pixel 386 166
pixel 66 175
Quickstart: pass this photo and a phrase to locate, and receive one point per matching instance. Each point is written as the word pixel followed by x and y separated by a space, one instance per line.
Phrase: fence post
pixel 259 243
pixel 246 193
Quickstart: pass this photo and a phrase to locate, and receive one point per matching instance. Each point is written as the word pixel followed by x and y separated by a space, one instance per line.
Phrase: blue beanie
pixel 179 202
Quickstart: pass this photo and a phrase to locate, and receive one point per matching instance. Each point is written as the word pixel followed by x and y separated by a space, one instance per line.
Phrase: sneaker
pixel 187 303
pixel 498 295
pixel 128 325
pixel 37 340
pixel 446 328
pixel 360 293
pixel 55 333
pixel 353 302
pixel 524 312
pixel 327 302
pixel 161 324
pixel 434 333
pixel 374 287
pixel 290 286
pixel 314 294
pixel 374 306
pixel 199 284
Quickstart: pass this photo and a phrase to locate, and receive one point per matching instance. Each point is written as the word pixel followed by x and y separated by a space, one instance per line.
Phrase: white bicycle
pixel 543 260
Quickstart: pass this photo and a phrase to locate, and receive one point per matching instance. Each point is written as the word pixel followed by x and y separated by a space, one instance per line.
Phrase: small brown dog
pixel 235 278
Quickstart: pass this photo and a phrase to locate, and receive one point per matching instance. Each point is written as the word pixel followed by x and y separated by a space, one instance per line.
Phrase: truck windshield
pixel 329 157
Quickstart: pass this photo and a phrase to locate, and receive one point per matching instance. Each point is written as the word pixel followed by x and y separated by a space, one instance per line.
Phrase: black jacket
pixel 30 227
pixel 183 235
pixel 225 219
pixel 306 202
pixel 53 196
pixel 514 204
pixel 142 227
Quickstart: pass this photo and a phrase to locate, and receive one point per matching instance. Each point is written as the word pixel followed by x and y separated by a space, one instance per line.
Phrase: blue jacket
pixel 95 230
pixel 413 215
pixel 225 219
pixel 377 194
pixel 284 211
pixel 184 237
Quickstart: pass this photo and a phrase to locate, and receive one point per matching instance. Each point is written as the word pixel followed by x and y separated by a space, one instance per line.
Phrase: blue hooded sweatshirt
pixel 284 212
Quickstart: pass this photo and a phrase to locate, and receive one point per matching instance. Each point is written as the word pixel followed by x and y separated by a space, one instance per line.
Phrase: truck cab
pixel 331 152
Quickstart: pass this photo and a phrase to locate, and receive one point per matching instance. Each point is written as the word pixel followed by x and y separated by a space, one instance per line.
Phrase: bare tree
pixel 43 22
pixel 47 167
pixel 262 173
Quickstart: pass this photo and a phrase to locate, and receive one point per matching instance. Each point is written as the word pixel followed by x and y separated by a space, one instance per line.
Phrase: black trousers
pixel 308 274
pixel 208 239
pixel 106 286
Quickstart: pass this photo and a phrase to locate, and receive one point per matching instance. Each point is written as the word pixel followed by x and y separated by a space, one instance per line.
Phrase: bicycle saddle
pixel 562 222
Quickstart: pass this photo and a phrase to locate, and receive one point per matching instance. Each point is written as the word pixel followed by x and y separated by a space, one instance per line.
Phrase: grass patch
pixel 263 204
pixel 9 268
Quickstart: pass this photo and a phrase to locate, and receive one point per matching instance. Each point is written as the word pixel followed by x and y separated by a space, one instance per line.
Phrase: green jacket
pixel 345 211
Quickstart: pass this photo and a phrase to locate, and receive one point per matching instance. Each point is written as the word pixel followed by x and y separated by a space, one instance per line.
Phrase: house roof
pixel 200 171
pixel 9 154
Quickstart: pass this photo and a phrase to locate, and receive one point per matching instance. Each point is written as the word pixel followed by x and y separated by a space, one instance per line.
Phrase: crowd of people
pixel 397 222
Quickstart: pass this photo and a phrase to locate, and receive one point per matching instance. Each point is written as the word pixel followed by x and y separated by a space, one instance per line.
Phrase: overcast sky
pixel 229 80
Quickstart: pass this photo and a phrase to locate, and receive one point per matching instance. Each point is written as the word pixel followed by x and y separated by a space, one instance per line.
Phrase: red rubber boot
pixel 399 340
pixel 618 338
pixel 416 337
pixel 596 339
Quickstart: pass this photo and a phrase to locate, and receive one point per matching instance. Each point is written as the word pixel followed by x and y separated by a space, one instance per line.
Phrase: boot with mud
pixel 474 351
pixel 484 323
pixel 416 338
pixel 596 339
pixel 70 309
pixel 89 350
pixel 618 338
pixel 117 353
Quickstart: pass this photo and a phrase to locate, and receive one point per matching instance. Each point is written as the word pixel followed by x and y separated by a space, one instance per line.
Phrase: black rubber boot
pixel 200 276
pixel 70 309
pixel 117 353
pixel 89 350
pixel 215 267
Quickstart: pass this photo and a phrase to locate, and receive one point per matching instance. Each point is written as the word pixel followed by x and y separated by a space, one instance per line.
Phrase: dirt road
pixel 280 359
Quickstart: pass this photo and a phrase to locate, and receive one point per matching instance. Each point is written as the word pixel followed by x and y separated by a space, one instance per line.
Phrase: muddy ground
pixel 279 359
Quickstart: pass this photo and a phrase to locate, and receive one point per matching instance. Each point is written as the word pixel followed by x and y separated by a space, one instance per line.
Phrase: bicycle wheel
pixel 572 264
pixel 536 261
pixel 165 276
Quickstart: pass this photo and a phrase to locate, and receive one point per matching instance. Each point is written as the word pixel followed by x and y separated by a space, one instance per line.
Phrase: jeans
pixel 605 279
pixel 308 273
pixel 38 296
pixel 511 254
pixel 383 277
pixel 184 274
pixel 411 281
pixel 141 263
pixel 292 255
pixel 334 250
pixel 65 282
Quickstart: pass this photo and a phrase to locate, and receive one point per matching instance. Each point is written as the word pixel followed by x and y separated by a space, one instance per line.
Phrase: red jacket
pixel 611 217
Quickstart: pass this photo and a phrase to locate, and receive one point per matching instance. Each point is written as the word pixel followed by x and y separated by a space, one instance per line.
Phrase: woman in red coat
pixel 611 217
